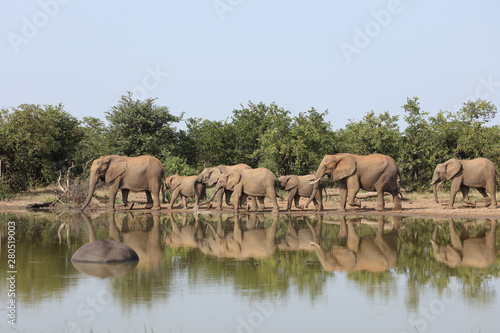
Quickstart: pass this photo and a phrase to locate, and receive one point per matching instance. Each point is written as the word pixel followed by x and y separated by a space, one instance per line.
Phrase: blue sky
pixel 206 57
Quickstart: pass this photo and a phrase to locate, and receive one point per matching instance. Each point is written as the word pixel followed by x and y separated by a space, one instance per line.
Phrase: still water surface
pixel 254 273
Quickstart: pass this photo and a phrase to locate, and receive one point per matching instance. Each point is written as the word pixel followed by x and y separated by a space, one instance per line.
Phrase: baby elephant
pixel 300 186
pixel 185 187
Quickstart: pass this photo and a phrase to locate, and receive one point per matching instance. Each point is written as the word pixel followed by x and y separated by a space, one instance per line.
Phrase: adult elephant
pixel 142 173
pixel 186 187
pixel 479 251
pixel 300 186
pixel 374 172
pixel 210 176
pixel 478 173
pixel 259 182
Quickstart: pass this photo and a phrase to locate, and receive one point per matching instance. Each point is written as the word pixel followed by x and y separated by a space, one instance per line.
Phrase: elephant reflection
pixel 145 241
pixel 301 239
pixel 185 235
pixel 377 253
pixel 477 252
pixel 254 242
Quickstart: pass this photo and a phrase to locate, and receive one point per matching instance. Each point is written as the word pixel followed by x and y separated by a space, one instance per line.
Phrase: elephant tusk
pixel 315 181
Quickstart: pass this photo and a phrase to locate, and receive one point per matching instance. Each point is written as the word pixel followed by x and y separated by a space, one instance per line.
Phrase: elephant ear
pixel 175 181
pixel 345 167
pixel 233 178
pixel 453 167
pixel 291 183
pixel 117 166
pixel 214 176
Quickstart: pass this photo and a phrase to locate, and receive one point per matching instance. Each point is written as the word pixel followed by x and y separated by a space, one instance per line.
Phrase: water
pixel 254 273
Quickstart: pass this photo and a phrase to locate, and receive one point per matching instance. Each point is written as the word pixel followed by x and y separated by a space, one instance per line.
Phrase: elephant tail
pixel 400 188
pixel 164 194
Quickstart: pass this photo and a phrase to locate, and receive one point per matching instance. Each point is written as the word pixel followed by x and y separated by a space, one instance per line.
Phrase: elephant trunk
pixel 92 183
pixel 434 189
pixel 217 188
pixel 319 174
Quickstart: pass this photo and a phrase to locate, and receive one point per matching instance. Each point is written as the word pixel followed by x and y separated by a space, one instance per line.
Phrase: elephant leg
pixel 253 203
pixel 380 201
pixel 319 200
pixel 237 198
pixel 126 204
pixel 487 199
pixel 315 203
pixel 353 189
pixel 343 195
pixel 244 201
pixel 271 194
pixel 465 196
pixel 155 193
pixel 184 201
pixel 492 190
pixel 292 197
pixel 175 194
pixel 113 190
pixel 262 204
pixel 289 201
pixel 149 199
pixel 227 195
pixel 396 200
pixel 455 186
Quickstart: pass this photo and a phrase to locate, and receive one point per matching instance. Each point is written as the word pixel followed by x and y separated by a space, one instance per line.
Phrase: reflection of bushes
pixel 37 243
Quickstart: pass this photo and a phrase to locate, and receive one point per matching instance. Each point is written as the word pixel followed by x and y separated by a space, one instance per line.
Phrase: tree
pixel 38 141
pixel 213 142
pixel 274 148
pixel 140 127
pixel 373 134
pixel 248 125
pixel 473 140
pixel 94 142
pixel 312 139
pixel 418 154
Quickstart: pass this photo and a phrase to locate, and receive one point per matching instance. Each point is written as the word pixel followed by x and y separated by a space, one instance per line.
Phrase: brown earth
pixel 413 205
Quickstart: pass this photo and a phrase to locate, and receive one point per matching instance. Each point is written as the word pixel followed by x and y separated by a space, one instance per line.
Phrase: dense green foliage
pixel 39 141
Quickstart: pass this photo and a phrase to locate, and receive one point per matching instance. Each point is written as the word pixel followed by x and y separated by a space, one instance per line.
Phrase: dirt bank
pixel 414 205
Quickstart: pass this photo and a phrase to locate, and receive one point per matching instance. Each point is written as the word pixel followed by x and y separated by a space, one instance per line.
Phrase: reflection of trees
pixel 40 259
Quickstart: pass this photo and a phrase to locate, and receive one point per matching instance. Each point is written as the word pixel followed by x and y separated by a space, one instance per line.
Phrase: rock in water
pixel 105 251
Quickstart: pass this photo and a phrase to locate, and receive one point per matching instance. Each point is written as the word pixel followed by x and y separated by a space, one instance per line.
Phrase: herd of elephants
pixel 376 172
